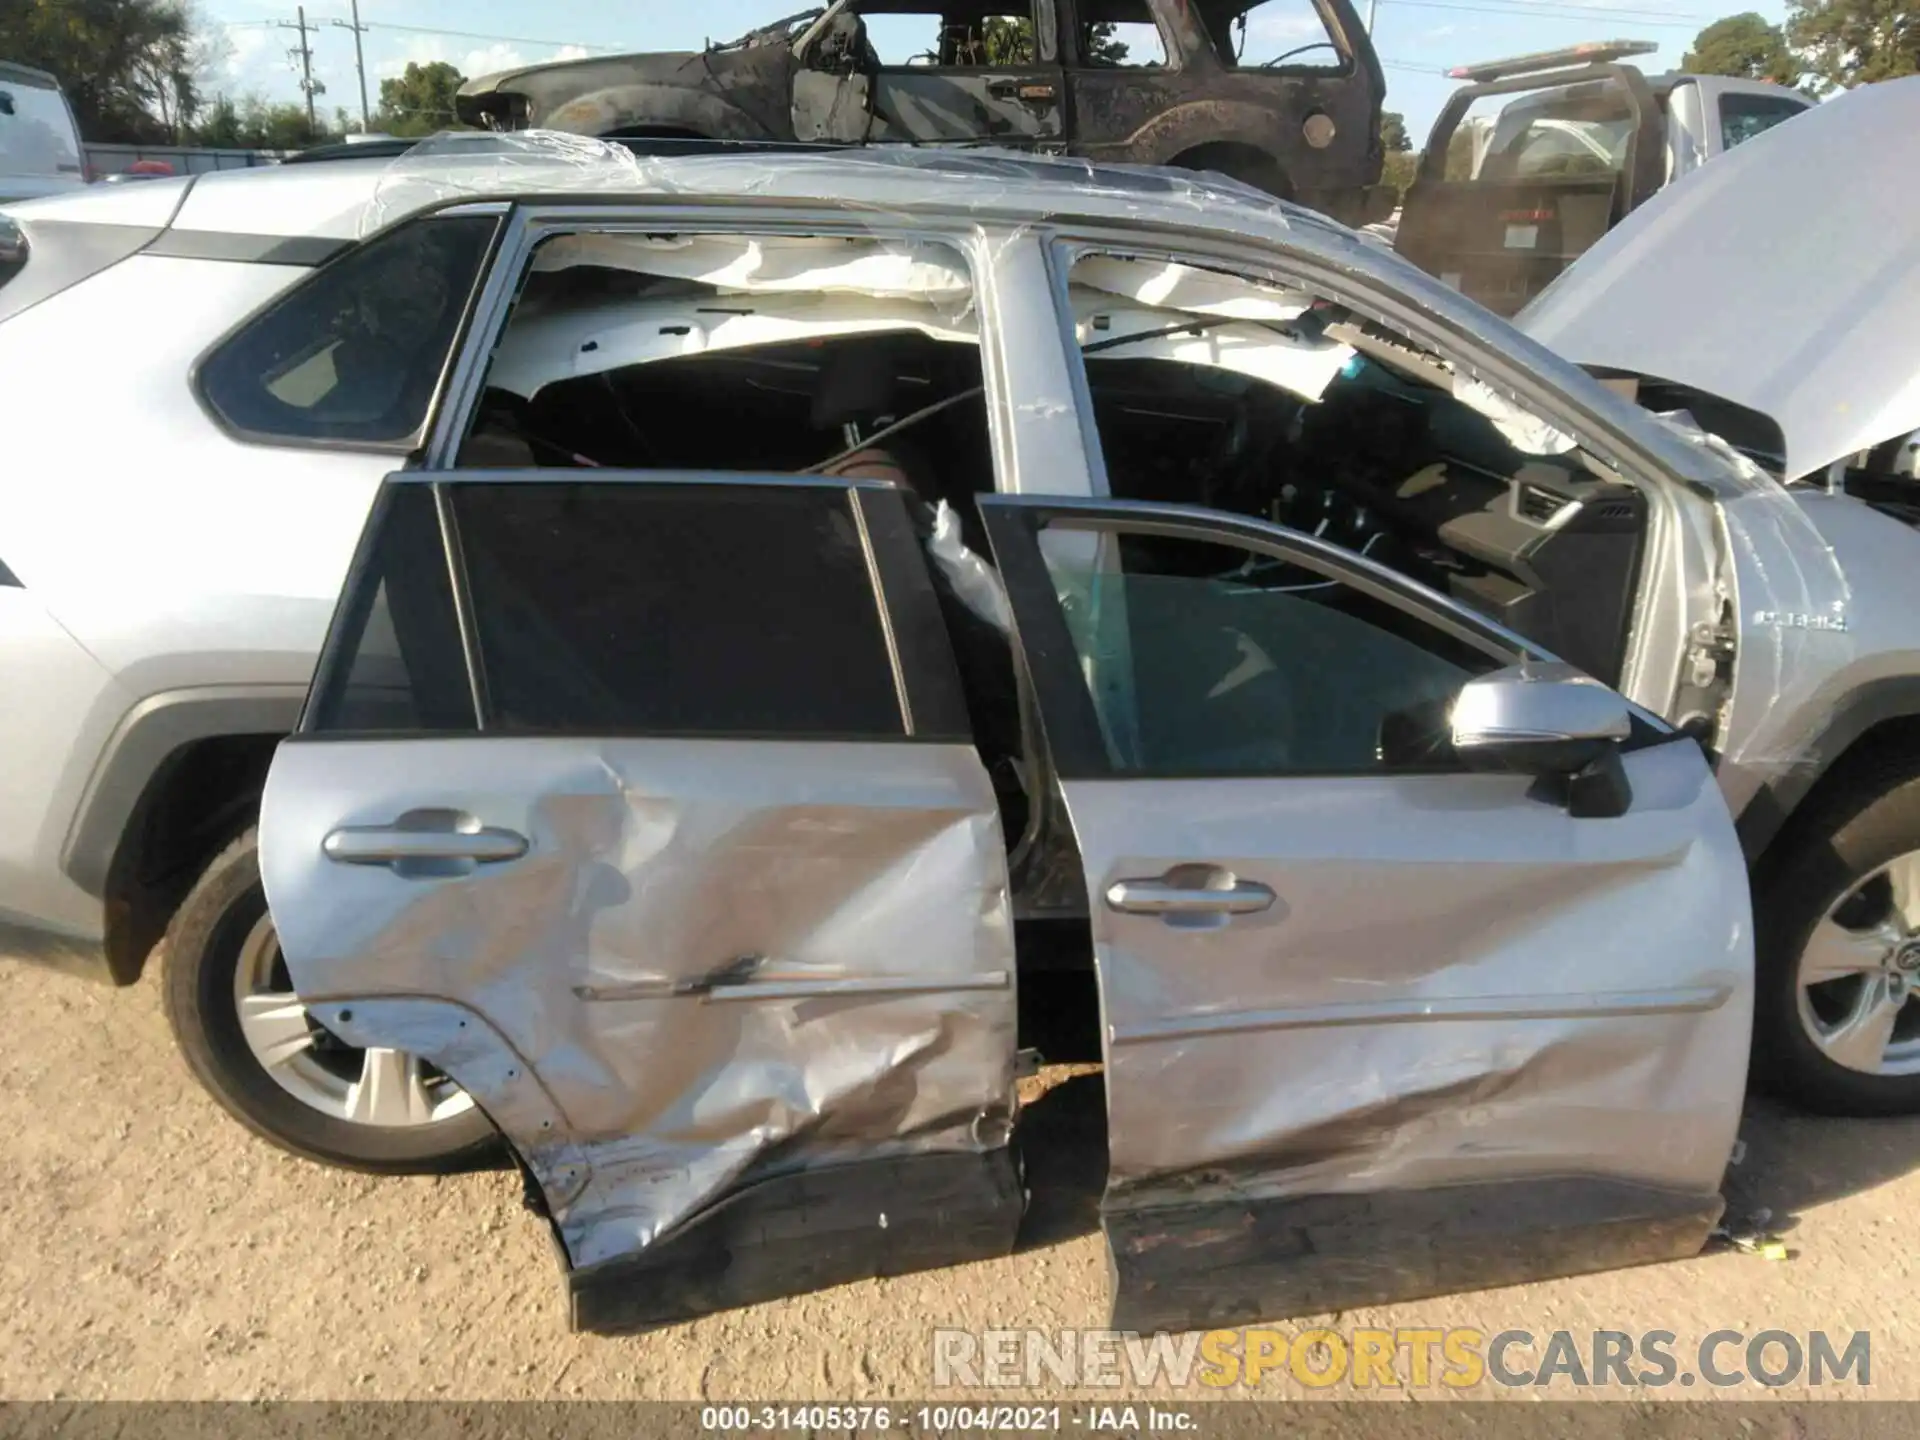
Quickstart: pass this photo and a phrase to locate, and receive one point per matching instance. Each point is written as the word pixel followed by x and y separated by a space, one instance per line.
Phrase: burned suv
pixel 1282 94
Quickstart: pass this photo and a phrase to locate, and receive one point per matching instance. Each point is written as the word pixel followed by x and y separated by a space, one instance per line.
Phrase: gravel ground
pixel 152 1249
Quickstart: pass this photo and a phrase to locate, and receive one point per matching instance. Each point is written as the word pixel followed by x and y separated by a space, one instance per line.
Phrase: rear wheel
pixel 1837 1009
pixel 276 1069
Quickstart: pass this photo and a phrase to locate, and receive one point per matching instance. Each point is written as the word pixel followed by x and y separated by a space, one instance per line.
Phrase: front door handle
pixel 1222 895
pixel 425 843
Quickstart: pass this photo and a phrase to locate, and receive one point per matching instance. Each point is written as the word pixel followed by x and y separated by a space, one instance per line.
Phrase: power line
pixel 481 35
pixel 1556 12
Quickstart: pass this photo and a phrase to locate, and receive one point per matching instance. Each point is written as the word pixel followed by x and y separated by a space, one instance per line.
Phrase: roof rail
pixel 1594 52
pixel 479 142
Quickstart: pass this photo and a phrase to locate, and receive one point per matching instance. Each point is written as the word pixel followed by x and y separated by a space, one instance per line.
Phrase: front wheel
pixel 255 1048
pixel 1837 1004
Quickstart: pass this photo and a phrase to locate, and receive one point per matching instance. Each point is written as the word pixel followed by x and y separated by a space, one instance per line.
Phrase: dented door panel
pixel 716 961
pixel 1452 977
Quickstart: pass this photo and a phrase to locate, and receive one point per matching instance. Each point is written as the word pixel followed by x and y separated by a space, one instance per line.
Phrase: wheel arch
pixel 1238 160
pixel 179 779
pixel 1874 723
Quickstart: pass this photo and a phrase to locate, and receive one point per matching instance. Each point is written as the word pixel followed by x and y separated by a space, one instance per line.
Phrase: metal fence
pixel 182 159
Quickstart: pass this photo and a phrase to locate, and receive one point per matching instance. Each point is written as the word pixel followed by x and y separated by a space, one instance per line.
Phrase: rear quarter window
pixel 355 353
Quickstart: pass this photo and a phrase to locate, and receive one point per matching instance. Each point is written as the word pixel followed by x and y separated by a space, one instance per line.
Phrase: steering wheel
pixel 1299 50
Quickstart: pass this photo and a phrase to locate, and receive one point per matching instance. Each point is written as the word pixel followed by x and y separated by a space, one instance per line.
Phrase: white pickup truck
pixel 1591 139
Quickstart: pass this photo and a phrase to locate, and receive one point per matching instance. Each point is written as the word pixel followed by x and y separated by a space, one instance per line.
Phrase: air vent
pixel 1540 506
pixel 1615 510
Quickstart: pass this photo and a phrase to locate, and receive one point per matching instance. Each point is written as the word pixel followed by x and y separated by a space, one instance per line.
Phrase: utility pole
pixel 359 64
pixel 305 52
pixel 1372 6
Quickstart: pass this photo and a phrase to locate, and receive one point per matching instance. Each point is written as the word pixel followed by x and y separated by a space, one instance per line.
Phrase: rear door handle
pixel 425 842
pixel 1158 897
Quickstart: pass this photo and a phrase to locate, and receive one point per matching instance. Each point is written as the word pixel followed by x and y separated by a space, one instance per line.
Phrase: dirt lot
pixel 152 1249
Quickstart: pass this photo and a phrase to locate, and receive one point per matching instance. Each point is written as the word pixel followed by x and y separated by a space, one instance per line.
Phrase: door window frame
pixel 1050 661
pixel 1174 59
pixel 530 226
pixel 925 675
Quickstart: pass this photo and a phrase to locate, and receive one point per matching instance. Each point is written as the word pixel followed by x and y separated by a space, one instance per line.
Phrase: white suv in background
pixel 40 152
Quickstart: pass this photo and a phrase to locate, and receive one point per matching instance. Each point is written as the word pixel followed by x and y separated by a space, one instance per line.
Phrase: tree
pixel 252 123
pixel 1393 132
pixel 1007 40
pixel 1855 42
pixel 1745 46
pixel 420 100
pixel 133 69
pixel 1104 45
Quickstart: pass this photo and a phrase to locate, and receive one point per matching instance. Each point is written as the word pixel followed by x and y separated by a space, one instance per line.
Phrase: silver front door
pixel 1376 1026
pixel 648 812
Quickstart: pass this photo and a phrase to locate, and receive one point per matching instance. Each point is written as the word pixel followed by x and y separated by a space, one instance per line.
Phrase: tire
pixel 209 940
pixel 1834 858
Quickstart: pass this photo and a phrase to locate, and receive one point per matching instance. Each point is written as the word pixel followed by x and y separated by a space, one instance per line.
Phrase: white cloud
pixel 1279 21
pixel 469 61
pixel 244 44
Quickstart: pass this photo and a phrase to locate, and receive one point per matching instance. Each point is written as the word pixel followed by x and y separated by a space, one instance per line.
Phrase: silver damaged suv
pixel 804 648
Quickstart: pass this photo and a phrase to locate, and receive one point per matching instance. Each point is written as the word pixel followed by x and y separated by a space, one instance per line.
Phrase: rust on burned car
pixel 1042 75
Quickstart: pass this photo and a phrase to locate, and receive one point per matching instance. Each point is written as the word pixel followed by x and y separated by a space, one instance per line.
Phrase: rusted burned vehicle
pixel 1281 94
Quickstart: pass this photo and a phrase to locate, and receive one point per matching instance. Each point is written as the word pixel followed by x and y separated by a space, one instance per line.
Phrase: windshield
pixel 36 130
pixel 1588 136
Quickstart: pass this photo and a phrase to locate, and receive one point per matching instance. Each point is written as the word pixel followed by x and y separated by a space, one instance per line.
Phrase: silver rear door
pixel 1376 1026
pixel 647 810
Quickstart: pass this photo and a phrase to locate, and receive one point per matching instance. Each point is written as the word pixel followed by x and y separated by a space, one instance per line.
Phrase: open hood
pixel 1784 277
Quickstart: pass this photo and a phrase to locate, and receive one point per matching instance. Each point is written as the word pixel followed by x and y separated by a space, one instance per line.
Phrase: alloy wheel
pixel 380 1087
pixel 1860 973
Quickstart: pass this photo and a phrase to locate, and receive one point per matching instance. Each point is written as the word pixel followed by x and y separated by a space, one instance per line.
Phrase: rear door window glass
pixel 707 610
pixel 394 664
pixel 355 353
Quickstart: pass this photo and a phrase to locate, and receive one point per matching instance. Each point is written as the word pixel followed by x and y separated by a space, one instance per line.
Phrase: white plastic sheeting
pixel 740 291
pixel 756 264
pixel 1264 348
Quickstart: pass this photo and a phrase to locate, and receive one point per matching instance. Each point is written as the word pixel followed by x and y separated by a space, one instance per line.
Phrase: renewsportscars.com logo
pixel 1456 1358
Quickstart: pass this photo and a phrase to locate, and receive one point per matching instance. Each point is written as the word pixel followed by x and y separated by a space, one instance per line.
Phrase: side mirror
pixel 1537 720
pixel 1555 724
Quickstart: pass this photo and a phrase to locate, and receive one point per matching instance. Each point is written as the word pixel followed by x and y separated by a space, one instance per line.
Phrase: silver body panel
pixel 715 960
pixel 1827 590
pixel 1456 984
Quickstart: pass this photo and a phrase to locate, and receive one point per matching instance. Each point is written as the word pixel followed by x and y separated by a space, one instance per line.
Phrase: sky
pixel 1417 39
